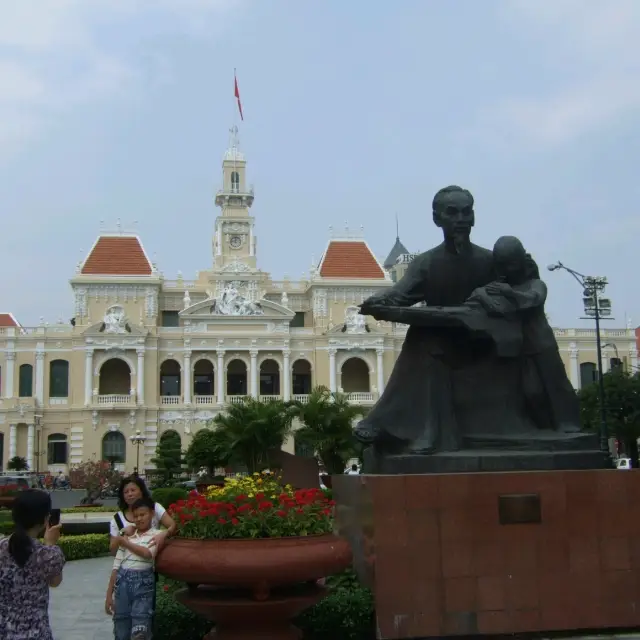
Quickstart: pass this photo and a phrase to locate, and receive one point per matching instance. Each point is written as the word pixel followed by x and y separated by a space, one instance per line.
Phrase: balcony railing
pixel 205 400
pixel 361 397
pixel 268 397
pixel 114 399
pixel 236 399
pixel 301 397
pixel 58 401
pixel 170 400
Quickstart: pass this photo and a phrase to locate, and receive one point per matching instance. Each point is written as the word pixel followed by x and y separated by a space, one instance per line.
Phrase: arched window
pixel 301 377
pixel 355 376
pixel 237 378
pixel 235 181
pixel 25 381
pixel 588 374
pixel 115 378
pixel 114 447
pixel 170 378
pixel 59 379
pixel 57 448
pixel 269 378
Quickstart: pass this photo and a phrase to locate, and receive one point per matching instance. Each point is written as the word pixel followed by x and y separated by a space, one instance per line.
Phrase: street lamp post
pixel 595 308
pixel 38 425
pixel 137 439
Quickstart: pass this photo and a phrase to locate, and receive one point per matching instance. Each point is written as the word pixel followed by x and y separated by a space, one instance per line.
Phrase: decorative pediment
pixel 236 307
pixel 132 334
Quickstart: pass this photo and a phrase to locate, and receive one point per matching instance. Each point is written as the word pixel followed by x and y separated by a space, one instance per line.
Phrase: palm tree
pixel 251 429
pixel 327 420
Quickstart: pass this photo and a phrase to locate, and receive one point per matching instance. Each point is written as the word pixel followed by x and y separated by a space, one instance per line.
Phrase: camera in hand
pixel 54 517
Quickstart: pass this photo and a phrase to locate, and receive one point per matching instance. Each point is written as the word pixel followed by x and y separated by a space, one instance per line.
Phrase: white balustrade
pixel 361 396
pixel 114 399
pixel 169 400
pixel 269 397
pixel 236 399
pixel 301 397
pixel 206 400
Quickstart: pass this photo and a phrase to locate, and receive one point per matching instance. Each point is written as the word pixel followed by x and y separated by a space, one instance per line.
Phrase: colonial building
pixel 148 354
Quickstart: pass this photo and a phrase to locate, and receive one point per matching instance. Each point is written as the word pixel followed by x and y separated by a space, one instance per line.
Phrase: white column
pixel 220 377
pixel 286 375
pixel 13 441
pixel 140 380
pixel 10 373
pixel 88 376
pixel 219 243
pixel 40 377
pixel 186 377
pixel 332 370
pixel 606 355
pixel 252 250
pixel 254 373
pixel 633 359
pixel 30 439
pixel 380 369
pixel 574 366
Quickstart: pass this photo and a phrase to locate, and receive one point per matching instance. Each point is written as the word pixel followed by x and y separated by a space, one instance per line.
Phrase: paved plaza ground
pixel 76 609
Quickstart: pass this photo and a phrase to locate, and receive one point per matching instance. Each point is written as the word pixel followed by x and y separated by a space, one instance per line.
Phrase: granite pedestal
pixel 496 553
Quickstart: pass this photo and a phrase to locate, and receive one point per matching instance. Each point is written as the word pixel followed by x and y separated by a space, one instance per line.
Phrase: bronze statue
pixel 479 359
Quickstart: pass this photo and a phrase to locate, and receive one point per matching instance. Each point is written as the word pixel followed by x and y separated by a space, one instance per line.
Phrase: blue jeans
pixel 133 604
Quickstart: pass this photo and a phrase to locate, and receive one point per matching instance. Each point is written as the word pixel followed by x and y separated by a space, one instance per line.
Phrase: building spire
pixel 397 228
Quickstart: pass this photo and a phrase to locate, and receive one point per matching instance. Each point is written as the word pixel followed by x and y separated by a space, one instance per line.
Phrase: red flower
pixel 165 588
pixel 235 521
pixel 222 521
pixel 281 514
pixel 264 506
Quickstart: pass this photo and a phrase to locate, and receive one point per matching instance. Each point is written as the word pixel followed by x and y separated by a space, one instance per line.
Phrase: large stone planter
pixel 253 588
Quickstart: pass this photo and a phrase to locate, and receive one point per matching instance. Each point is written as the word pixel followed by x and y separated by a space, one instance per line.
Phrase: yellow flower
pixel 259 481
pixel 251 495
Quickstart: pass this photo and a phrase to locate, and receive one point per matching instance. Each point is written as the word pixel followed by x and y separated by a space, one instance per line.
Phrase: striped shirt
pixel 126 559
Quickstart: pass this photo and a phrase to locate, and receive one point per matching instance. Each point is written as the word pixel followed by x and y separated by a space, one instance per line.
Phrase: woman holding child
pixel 135 540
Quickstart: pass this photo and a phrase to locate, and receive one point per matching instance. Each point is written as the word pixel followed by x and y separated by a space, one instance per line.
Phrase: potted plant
pixel 252 553
pixel 8 494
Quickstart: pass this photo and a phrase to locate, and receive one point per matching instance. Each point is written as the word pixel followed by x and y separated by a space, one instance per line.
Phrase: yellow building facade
pixel 144 353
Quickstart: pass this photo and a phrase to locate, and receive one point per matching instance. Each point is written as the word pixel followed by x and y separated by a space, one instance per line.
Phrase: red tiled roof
pixel 117 256
pixel 7 320
pixel 349 260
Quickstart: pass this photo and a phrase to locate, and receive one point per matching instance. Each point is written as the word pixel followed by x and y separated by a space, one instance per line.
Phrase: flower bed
pixel 91 508
pixel 253 507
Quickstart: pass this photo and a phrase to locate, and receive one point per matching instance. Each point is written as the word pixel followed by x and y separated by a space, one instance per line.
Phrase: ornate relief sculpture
pixel 231 303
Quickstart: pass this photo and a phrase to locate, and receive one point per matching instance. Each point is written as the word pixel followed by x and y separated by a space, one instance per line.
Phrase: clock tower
pixel 234 241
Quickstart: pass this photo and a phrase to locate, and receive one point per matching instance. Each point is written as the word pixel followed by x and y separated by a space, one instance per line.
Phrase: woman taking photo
pixel 130 491
pixel 28 568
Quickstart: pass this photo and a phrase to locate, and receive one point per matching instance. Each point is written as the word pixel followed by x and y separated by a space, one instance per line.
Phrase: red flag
pixel 237 94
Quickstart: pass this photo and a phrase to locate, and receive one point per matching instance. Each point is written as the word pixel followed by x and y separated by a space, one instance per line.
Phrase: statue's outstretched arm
pixel 406 292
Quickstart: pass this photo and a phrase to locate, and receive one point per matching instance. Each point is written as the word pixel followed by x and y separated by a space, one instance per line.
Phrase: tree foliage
pixel 168 459
pixel 327 427
pixel 93 477
pixel 208 449
pixel 18 463
pixel 622 408
pixel 249 430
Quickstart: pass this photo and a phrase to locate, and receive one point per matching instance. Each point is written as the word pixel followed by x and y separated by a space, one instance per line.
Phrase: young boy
pixel 132 583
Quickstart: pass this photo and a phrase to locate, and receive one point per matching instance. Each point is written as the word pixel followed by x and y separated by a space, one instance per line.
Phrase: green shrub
pixel 166 496
pixel 347 613
pixel 91 545
pixel 6 527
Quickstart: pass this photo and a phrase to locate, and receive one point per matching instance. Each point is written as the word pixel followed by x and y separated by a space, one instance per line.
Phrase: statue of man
pixel 442 376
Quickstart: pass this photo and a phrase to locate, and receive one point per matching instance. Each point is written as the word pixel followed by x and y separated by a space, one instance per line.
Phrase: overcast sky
pixel 354 111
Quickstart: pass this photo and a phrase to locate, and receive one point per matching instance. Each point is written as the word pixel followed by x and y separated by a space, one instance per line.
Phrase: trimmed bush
pixel 166 496
pixel 91 545
pixel 347 613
